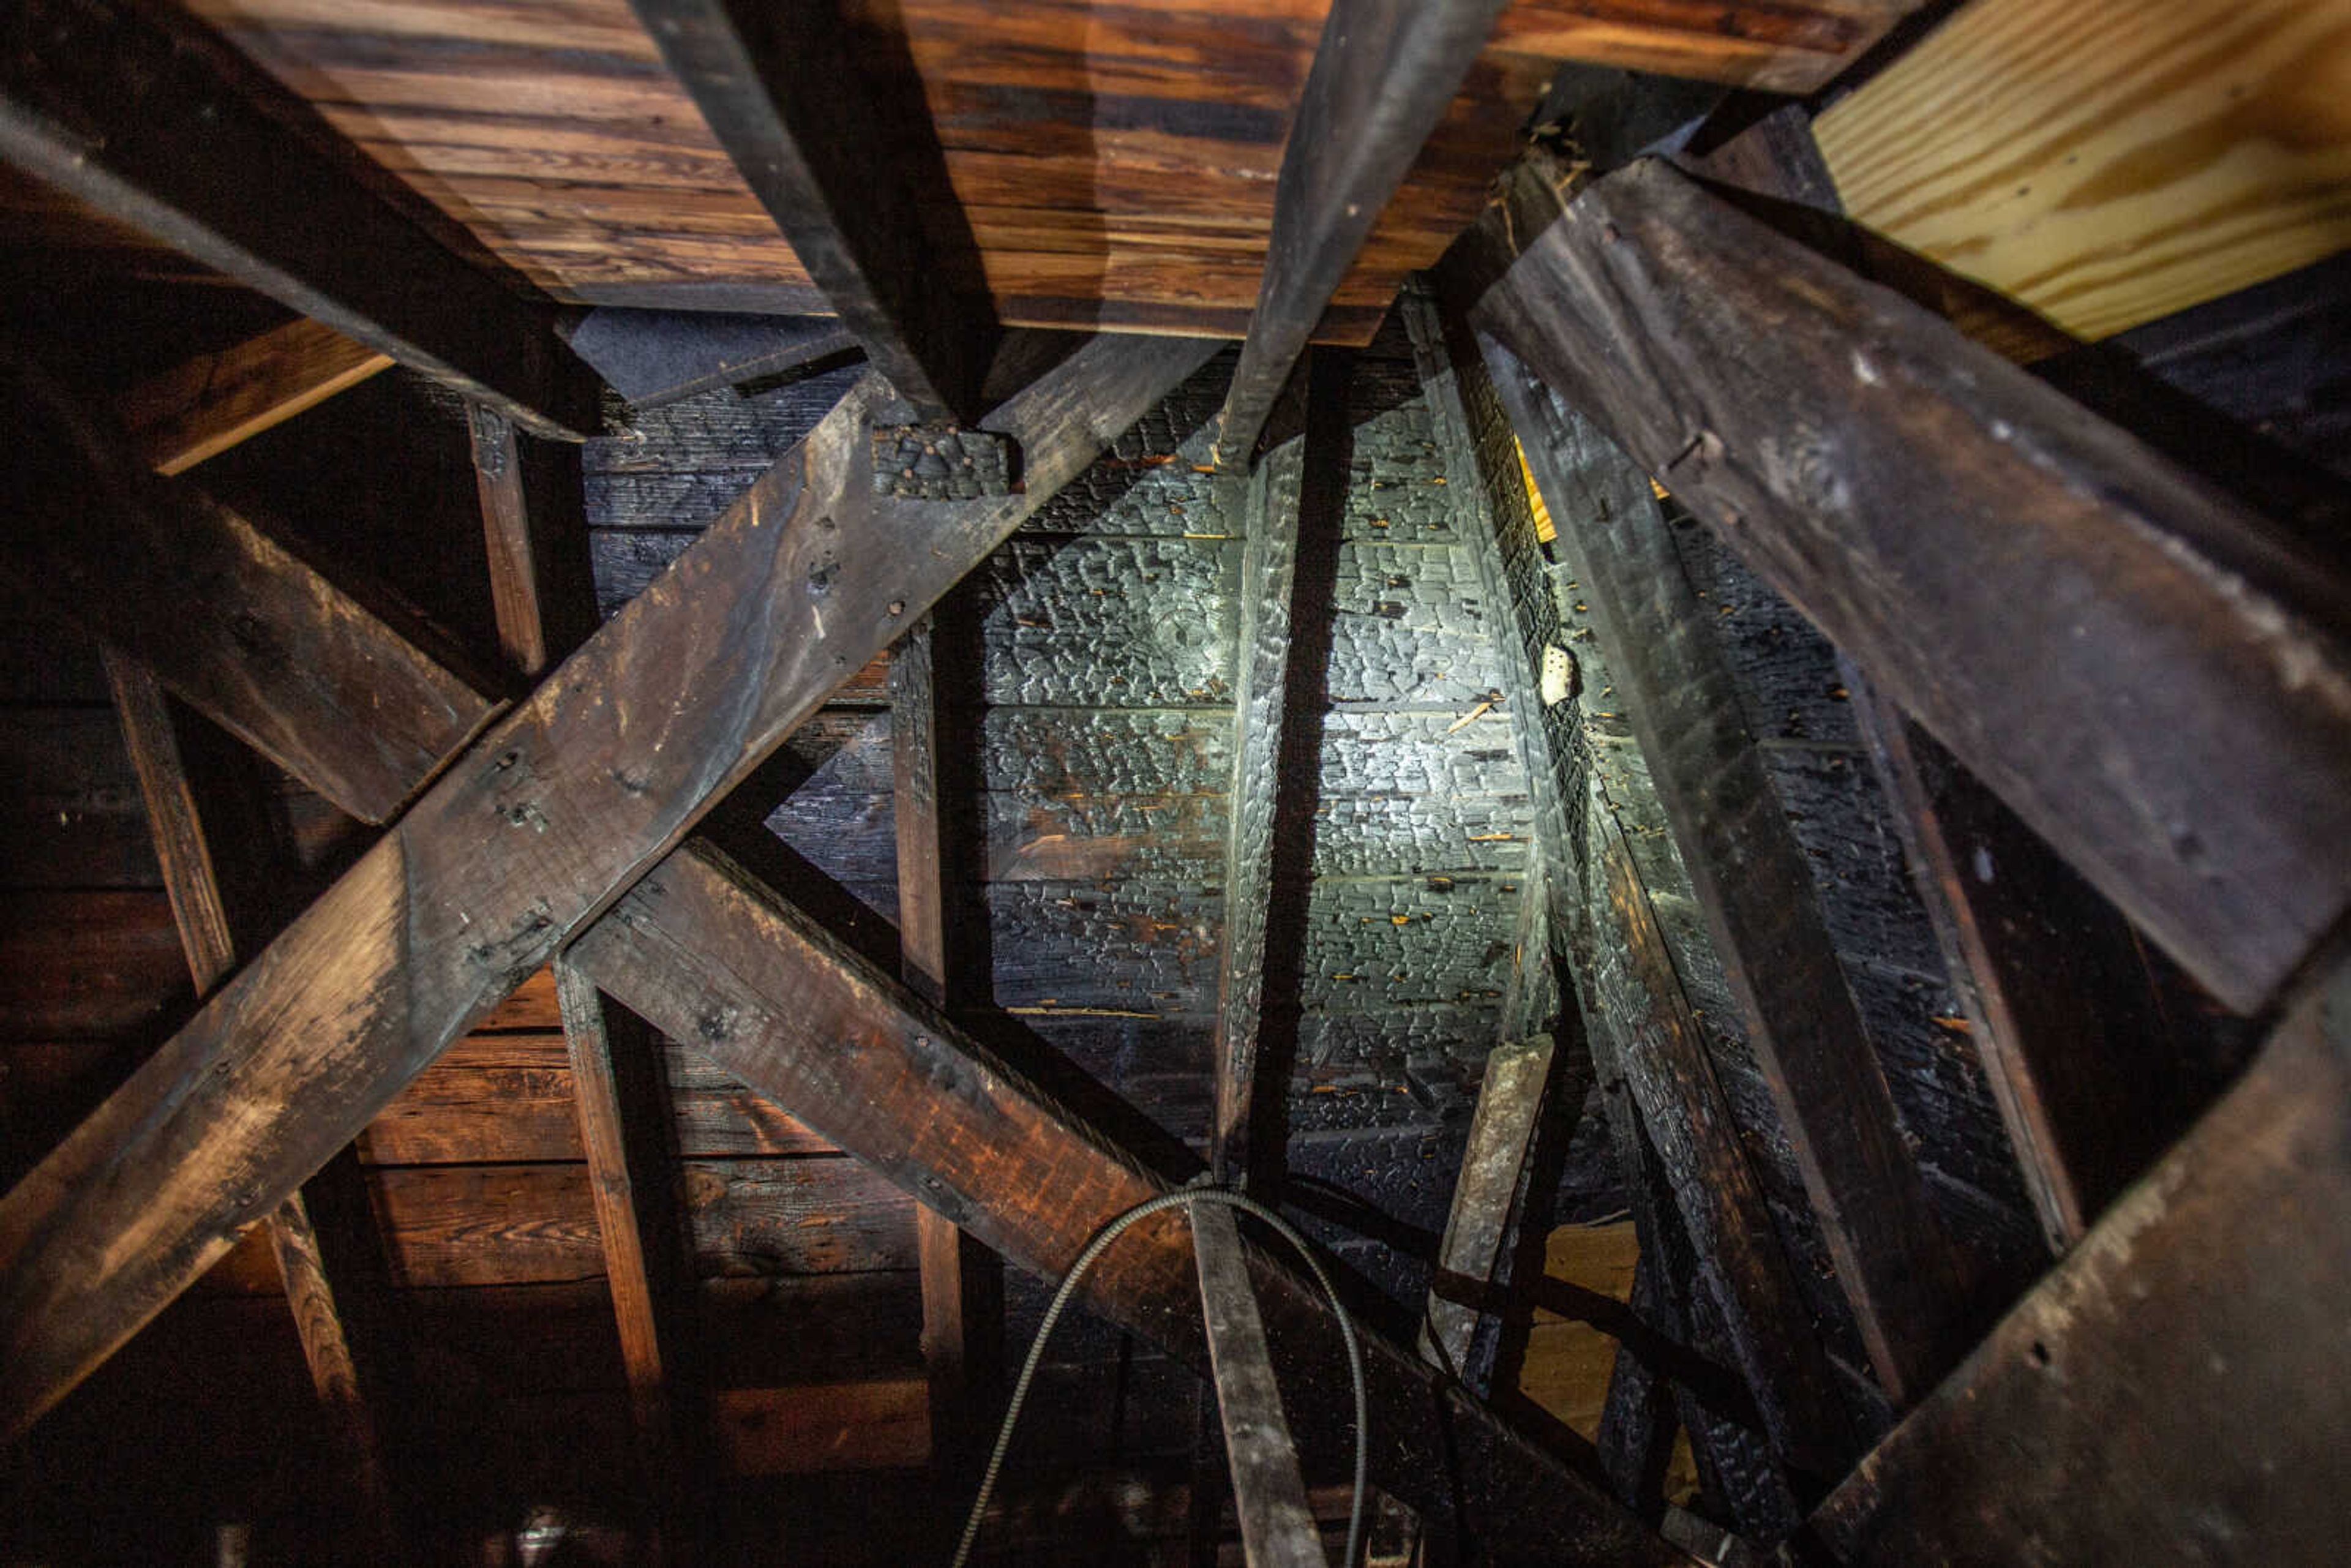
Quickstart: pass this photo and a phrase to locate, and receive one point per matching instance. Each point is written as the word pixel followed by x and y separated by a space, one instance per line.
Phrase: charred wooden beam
pixel 229 618
pixel 530 835
pixel 1754 886
pixel 212 402
pixel 2145 672
pixel 1381 77
pixel 1638 1020
pixel 100 102
pixel 2174 1387
pixel 701 952
pixel 184 850
pixel 785 98
pixel 1484 1197
pixel 1278 1529
pixel 653 358
pixel 1269 500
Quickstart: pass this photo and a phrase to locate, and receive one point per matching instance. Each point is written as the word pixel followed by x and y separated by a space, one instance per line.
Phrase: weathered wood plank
pixel 101 103
pixel 212 402
pixel 778 85
pixel 698 952
pixel 2175 153
pixel 1277 1527
pixel 527 837
pixel 508 535
pixel 653 358
pixel 1381 77
pixel 1753 885
pixel 2189 721
pixel 225 615
pixel 1510 1102
pixel 2172 1388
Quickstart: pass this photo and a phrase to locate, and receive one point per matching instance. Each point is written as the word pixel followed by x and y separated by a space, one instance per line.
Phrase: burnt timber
pixel 1679 678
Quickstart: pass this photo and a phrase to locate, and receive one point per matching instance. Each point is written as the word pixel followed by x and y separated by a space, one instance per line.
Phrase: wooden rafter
pixel 1381 77
pixel 526 838
pixel 2144 671
pixel 698 950
pixel 202 407
pixel 787 100
pixel 101 103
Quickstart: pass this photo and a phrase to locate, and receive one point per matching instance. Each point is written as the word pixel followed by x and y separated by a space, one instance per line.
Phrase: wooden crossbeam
pixel 524 839
pixel 784 97
pixel 1381 77
pixel 184 850
pixel 205 406
pixel 1484 1196
pixel 2174 1385
pixel 304 673
pixel 1639 1024
pixel 704 954
pixel 2144 671
pixel 1278 1529
pixel 1754 887
pixel 100 102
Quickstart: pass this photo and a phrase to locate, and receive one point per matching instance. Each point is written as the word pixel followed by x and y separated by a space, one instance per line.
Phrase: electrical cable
pixel 1182 1198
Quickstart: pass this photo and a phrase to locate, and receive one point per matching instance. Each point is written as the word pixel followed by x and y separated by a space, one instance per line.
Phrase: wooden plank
pixel 1267 501
pixel 694 948
pixel 1755 888
pixel 228 617
pixel 525 839
pixel 1637 1019
pixel 105 105
pixel 2173 1388
pixel 2188 724
pixel 214 402
pixel 778 88
pixel 1501 1131
pixel 2174 152
pixel 807 1430
pixel 1381 77
pixel 1794 49
pixel 596 1088
pixel 1278 1529
pixel 209 938
pixel 506 535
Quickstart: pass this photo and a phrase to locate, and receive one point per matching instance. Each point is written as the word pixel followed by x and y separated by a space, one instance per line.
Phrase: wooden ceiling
pixel 1115 162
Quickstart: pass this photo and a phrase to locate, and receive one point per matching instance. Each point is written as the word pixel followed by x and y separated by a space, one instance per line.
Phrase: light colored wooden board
pixel 2108 164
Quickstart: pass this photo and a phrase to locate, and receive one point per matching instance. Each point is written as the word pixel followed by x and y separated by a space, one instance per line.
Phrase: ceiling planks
pixel 1116 163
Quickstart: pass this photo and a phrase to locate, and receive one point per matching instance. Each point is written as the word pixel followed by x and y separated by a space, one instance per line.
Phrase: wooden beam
pixel 101 103
pixel 1278 1529
pixel 2145 672
pixel 206 933
pixel 1484 1196
pixel 205 406
pixel 2176 153
pixel 1643 1036
pixel 653 358
pixel 530 835
pixel 784 97
pixel 233 621
pixel 2173 1389
pixel 957 1272
pixel 1269 501
pixel 1754 887
pixel 698 950
pixel 1382 78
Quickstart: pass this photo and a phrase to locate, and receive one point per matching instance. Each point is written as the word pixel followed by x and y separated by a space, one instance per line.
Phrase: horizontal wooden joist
pixel 525 838
pixel 704 954
pixel 2150 675
pixel 203 406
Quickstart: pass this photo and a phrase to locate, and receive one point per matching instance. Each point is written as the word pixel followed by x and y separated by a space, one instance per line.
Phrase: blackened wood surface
pixel 1756 892
pixel 100 102
pixel 1381 77
pixel 1278 1529
pixel 2172 1390
pixel 705 956
pixel 656 357
pixel 223 613
pixel 527 837
pixel 1636 1012
pixel 1261 661
pixel 780 89
pixel 2136 665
